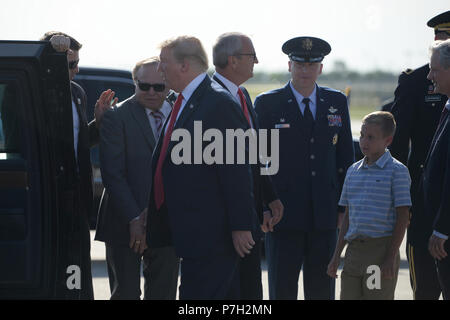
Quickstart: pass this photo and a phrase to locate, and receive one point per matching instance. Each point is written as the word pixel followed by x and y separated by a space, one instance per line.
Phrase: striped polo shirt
pixel 372 192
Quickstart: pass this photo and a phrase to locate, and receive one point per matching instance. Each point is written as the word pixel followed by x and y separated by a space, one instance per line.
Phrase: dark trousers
pixel 422 273
pixel 124 271
pixel 250 274
pixel 443 269
pixel 288 251
pixel 214 277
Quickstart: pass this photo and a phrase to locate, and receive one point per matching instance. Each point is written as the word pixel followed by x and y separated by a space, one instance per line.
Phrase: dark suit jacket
pixel 88 137
pixel 436 181
pixel 417 111
pixel 263 189
pixel 312 168
pixel 126 148
pixel 203 203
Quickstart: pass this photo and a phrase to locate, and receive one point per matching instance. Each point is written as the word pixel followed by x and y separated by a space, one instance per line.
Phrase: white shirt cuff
pixel 440 235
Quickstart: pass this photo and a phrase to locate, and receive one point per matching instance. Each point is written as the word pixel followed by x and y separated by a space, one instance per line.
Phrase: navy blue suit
pixel 436 187
pixel 264 192
pixel 204 203
pixel 309 181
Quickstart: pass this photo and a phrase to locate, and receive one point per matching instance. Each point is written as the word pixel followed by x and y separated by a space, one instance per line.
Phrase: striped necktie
pixel 244 106
pixel 158 115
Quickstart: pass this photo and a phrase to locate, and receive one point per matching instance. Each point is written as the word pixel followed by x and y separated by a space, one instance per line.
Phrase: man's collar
pixel 380 163
pixel 300 97
pixel 190 88
pixel 228 84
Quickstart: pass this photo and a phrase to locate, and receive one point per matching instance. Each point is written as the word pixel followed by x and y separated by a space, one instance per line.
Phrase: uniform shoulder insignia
pixel 408 71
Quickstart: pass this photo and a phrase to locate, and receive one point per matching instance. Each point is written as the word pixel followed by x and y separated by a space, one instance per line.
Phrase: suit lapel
pixel 436 136
pixel 141 118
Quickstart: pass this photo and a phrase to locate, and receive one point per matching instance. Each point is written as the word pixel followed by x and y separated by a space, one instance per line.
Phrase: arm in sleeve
pixel 113 167
pixel 345 153
pixel 403 111
pixel 442 221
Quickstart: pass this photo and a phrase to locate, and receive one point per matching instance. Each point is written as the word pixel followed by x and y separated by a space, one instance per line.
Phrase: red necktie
pixel 158 180
pixel 244 105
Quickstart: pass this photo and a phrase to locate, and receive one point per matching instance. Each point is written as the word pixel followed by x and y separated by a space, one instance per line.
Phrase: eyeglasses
pixel 158 87
pixel 73 64
pixel 247 54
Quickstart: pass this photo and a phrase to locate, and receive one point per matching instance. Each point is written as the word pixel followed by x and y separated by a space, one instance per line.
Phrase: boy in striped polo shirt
pixel 377 199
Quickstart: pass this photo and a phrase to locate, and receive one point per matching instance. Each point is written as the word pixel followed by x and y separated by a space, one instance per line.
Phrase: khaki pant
pixel 359 280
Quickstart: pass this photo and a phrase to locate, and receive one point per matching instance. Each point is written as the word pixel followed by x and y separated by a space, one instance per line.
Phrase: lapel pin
pixel 79 100
pixel 321 100
pixel 290 100
pixel 282 120
pixel 191 106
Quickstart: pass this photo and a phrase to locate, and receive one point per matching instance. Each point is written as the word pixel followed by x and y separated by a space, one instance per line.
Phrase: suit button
pixel 341 170
pixel 313 173
pixel 421 166
pixel 312 140
pixel 312 157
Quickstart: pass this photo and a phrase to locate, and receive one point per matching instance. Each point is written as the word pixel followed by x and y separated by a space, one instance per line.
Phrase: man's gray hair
pixel 443 48
pixel 227 44
pixel 187 47
pixel 146 62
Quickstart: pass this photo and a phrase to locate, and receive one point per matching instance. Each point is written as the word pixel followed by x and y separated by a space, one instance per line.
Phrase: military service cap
pixel 440 23
pixel 306 49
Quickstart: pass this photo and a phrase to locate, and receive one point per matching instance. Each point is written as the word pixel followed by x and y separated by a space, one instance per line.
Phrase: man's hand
pixel 436 247
pixel 138 233
pixel 243 242
pixel 267 219
pixel 388 268
pixel 277 209
pixel 60 43
pixel 104 102
pixel 333 267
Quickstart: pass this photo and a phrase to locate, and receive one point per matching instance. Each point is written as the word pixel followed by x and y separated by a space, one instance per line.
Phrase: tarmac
pixel 102 291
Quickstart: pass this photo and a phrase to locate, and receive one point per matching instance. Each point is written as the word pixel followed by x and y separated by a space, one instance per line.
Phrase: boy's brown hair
pixel 385 120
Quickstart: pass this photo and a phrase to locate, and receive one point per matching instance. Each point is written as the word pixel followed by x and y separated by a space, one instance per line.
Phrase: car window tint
pixel 10 128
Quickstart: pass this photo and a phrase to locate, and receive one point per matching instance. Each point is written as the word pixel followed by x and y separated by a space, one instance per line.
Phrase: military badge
pixel 332 109
pixel 282 126
pixel 334 120
pixel 307 44
pixel 282 120
pixel 335 139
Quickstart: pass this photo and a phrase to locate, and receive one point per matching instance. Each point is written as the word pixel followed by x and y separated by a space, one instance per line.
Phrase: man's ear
pixel 389 140
pixel 185 66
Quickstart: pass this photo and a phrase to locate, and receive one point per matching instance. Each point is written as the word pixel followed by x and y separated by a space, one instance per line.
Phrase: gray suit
pixel 126 147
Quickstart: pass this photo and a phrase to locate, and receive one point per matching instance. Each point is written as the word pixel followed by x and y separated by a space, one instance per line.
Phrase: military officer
pixel 315 150
pixel 417 110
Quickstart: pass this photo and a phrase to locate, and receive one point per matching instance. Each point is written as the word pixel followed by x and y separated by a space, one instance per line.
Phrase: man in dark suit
pixel 316 148
pixel 206 209
pixel 234 57
pixel 127 139
pixel 436 177
pixel 85 136
pixel 417 109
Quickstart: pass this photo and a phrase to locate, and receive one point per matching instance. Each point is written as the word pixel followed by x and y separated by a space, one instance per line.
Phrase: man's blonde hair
pixel 385 120
pixel 145 62
pixel 189 48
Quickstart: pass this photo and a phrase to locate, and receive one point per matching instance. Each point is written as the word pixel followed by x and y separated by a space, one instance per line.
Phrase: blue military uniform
pixel 312 166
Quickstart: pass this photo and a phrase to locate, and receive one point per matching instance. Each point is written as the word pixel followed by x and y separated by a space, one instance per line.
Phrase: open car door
pixel 36 170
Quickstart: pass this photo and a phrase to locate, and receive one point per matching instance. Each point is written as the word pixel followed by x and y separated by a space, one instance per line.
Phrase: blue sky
pixel 389 35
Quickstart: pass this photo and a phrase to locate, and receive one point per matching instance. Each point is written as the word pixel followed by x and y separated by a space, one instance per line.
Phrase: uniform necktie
pixel 307 115
pixel 158 180
pixel 244 105
pixel 158 115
